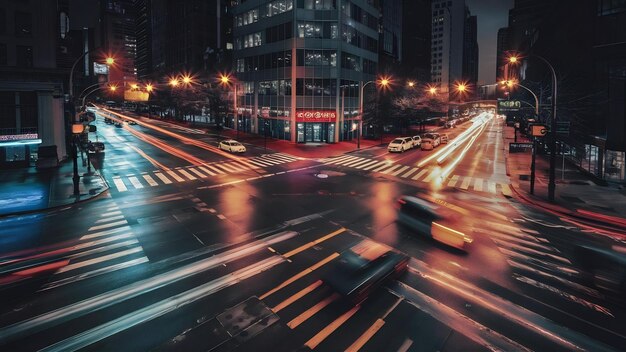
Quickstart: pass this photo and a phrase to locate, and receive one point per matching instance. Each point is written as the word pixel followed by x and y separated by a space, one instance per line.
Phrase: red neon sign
pixel 316 116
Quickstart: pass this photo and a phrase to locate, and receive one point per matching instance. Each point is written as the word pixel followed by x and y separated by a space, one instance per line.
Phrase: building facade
pixel 416 40
pixel 470 50
pixel 299 66
pixel 31 82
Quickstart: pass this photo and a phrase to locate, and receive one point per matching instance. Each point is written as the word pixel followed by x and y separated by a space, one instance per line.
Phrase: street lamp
pixel 109 60
pixel 384 82
pixel 551 182
pixel 226 80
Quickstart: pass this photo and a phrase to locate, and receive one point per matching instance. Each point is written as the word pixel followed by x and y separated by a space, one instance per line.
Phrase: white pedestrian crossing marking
pixel 111 224
pixel 186 174
pixel 361 163
pixel 396 173
pixel 150 180
pixel 354 162
pixel 109 219
pixel 206 171
pixel 119 184
pixel 226 167
pixel 99 259
pixel 175 176
pixel 135 182
pixel 453 181
pixel 419 174
pixel 478 184
pixel 197 172
pixel 391 169
pixel 385 165
pixel 216 170
pixel 466 182
pixel 434 174
pixel 491 186
pixel 163 178
pixel 366 166
pixel 409 173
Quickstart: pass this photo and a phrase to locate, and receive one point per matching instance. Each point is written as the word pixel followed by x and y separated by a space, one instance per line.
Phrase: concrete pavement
pixel 577 194
pixel 31 190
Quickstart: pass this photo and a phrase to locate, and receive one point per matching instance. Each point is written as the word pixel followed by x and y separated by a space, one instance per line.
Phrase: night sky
pixel 492 15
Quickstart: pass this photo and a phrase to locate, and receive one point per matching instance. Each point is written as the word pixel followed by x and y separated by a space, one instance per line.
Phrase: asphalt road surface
pixel 194 248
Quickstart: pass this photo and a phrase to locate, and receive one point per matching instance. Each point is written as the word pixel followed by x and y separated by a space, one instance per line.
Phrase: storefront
pixel 315 126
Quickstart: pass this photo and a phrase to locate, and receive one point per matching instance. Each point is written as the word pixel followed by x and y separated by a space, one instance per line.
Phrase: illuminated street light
pixel 149 87
pixel 411 84
pixel 134 86
pixel 226 80
pixel 173 82
pixel 112 88
pixel 186 79
pixel 110 60
pixel 384 82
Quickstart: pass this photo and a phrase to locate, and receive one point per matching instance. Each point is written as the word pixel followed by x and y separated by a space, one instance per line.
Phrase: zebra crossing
pixel 124 183
pixel 427 175
pixel 535 262
pixel 108 246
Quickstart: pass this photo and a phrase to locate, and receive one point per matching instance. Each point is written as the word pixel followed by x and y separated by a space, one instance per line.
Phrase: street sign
pixel 562 127
pixel 538 130
pixel 520 147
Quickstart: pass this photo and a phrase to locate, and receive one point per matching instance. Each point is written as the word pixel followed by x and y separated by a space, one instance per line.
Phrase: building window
pixel 279 6
pixel 317 58
pixel 319 4
pixel 24 56
pixel 278 33
pixel 351 62
pixel 23 24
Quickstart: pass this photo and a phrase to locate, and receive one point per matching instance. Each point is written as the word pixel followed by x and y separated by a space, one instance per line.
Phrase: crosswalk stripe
pixel 246 164
pixel 284 157
pixel 105 233
pixel 135 182
pixel 108 219
pixel 491 186
pixel 408 173
pixel 466 182
pixel 385 165
pixel 188 175
pixel 119 184
pixel 226 167
pixel 111 213
pixel 478 184
pixel 353 162
pixel 218 171
pixel 102 241
pixel 207 171
pixel 369 163
pixel 330 328
pixel 175 176
pixel 150 180
pixel 453 181
pixel 419 174
pixel 111 224
pixel 163 178
pixel 361 163
pixel 431 176
pixel 506 190
pixel 304 316
pixel 238 165
pixel 108 247
pixel 391 169
pixel 375 165
pixel 396 173
pixel 258 162
pixel 97 260
pixel 197 172
pixel 271 161
pixel 346 158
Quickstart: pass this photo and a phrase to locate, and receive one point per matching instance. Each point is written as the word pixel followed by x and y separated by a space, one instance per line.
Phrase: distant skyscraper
pixel 118 35
pixel 470 50
pixel 390 41
pixel 416 35
pixel 447 44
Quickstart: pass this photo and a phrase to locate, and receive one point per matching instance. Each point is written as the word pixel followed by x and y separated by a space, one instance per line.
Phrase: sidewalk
pixel 576 194
pixel 30 190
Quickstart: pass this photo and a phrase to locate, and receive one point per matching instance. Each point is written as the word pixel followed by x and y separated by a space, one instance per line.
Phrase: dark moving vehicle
pixel 355 277
pixel 604 267
pixel 426 219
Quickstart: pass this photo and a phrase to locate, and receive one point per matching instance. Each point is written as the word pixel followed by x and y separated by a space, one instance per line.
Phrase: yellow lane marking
pixel 367 335
pixel 311 244
pixel 297 296
pixel 322 335
pixel 301 274
pixel 304 316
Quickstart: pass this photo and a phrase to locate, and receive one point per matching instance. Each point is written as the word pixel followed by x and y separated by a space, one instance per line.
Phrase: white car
pixel 232 146
pixel 417 141
pixel 400 144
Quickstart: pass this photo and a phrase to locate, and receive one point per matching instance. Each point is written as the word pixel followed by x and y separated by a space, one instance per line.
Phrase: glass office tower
pixel 299 65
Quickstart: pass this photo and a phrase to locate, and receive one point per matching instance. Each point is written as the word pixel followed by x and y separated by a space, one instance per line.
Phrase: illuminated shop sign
pixel 316 116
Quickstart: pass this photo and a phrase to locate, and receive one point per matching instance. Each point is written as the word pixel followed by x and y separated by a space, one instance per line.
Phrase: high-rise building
pixel 32 84
pixel 470 50
pixel 416 34
pixel 118 38
pixel 501 48
pixel 300 65
pixel 143 57
pixel 447 43
pixel 390 40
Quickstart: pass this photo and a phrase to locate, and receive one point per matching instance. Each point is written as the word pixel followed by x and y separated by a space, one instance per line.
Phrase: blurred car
pixel 444 138
pixel 400 144
pixel 118 124
pixel 604 267
pixel 427 144
pixel 132 122
pixel 417 141
pixel 108 121
pixel 427 219
pixel 232 146
pixel 433 138
pixel 355 277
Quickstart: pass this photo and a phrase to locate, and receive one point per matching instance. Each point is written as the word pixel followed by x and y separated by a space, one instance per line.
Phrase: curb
pixel 56 207
pixel 568 213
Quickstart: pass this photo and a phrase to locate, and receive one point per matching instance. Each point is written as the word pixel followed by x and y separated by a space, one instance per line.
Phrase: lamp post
pixel 552 145
pixel 534 153
pixel 383 82
pixel 225 80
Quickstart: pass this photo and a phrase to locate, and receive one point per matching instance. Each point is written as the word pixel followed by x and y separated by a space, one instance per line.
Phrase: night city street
pixel 286 179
